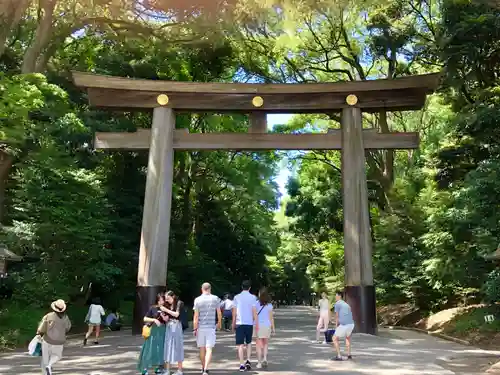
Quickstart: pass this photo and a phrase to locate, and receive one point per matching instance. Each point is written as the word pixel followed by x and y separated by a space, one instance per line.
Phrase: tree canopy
pixel 75 213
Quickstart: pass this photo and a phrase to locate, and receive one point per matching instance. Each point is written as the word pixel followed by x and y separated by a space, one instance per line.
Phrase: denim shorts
pixel 244 334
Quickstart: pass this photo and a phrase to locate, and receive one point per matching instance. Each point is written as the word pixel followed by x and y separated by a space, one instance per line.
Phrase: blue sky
pixel 284 173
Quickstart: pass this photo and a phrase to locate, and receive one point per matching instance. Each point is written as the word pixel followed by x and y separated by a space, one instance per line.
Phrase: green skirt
pixel 152 351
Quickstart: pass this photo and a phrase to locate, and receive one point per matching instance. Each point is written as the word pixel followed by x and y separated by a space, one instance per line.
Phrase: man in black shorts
pixel 244 316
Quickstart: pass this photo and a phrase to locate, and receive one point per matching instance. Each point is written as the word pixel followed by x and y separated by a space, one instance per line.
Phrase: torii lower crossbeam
pixel 183 140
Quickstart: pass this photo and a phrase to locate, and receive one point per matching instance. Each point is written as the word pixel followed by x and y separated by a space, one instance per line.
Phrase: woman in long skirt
pixel 174 339
pixel 153 348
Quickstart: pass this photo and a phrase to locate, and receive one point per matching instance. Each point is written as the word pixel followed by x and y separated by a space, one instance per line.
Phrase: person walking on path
pixel 344 323
pixel 265 318
pixel 152 351
pixel 324 316
pixel 53 329
pixel 205 309
pixel 244 316
pixel 174 336
pixel 93 319
pixel 227 311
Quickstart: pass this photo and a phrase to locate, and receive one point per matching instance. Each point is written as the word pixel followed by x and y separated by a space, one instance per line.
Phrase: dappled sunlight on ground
pixel 291 352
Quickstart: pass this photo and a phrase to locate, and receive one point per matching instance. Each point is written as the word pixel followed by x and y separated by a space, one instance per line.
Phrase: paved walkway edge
pixel 436 334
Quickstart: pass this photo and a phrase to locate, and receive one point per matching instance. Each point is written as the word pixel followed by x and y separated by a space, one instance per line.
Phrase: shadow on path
pixel 291 351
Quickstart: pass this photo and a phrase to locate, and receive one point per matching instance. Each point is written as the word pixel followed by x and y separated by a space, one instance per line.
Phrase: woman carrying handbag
pixel 154 338
pixel 53 329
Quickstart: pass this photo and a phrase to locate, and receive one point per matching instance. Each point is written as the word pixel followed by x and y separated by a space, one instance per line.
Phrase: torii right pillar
pixel 359 288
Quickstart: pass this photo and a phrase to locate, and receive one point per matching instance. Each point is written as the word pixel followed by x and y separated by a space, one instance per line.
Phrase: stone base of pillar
pixel 363 306
pixel 145 296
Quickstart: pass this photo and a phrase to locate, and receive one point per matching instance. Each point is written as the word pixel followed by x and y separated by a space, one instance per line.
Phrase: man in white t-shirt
pixel 244 316
pixel 206 307
pixel 324 315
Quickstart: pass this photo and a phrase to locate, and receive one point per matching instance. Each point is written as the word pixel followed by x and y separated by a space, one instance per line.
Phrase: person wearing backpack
pixel 265 318
pixel 184 319
pixel 227 312
pixel 53 329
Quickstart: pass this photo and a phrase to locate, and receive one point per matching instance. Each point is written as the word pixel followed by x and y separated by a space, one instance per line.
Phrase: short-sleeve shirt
pixel 227 304
pixel 155 313
pixel 324 305
pixel 110 318
pixel 244 304
pixel 263 314
pixel 95 314
pixel 178 309
pixel 206 305
pixel 345 313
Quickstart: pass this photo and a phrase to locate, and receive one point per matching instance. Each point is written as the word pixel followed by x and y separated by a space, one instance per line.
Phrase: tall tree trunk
pixel 186 221
pixel 11 12
pixel 42 36
pixel 5 165
pixel 388 171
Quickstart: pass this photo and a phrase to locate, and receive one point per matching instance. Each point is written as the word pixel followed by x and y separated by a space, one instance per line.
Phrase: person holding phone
pixel 152 351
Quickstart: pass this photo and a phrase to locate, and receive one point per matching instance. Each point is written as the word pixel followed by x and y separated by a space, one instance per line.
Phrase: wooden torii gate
pixel 166 98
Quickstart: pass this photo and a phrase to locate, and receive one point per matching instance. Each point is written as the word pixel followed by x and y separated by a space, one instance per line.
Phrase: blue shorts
pixel 244 334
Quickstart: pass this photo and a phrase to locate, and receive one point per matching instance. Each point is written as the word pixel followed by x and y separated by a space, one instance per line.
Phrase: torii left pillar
pixel 153 253
pixel 359 288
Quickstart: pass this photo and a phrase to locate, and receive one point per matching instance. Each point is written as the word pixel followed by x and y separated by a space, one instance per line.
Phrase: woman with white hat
pixel 53 329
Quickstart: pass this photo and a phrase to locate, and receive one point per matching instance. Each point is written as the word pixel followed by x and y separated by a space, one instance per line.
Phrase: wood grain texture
pixel 153 252
pixel 369 101
pixel 426 82
pixel 357 238
pixel 258 122
pixel 254 141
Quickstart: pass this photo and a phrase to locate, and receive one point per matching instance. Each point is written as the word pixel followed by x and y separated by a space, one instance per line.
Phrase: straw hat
pixel 58 306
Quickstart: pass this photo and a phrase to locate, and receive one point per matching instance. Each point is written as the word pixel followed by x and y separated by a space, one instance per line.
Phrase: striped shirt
pixel 206 306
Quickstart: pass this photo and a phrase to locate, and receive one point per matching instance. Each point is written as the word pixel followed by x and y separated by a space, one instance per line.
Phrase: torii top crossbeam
pixel 407 93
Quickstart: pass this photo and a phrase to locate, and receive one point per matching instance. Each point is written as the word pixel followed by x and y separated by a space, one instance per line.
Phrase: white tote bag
pixel 32 347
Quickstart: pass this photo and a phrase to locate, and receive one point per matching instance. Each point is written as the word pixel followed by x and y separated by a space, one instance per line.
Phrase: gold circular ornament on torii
pixel 257 101
pixel 351 99
pixel 162 99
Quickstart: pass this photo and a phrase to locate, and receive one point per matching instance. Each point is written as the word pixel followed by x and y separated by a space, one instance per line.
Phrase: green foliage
pixel 19 323
pixel 436 221
pixel 492 287
pixel 75 214
pixel 472 322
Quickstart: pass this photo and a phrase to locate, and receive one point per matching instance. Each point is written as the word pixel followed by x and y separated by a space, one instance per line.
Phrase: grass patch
pixel 18 323
pixel 471 326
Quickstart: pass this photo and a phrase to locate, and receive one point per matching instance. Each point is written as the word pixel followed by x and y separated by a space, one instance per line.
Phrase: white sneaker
pixel 259 365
